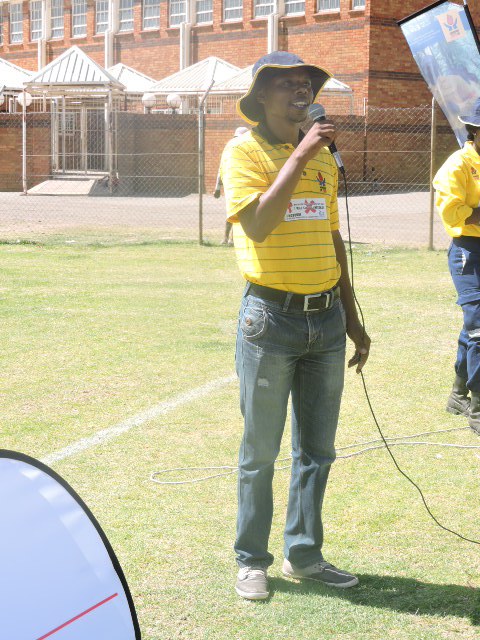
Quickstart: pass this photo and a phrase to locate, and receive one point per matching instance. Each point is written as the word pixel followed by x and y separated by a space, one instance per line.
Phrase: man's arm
pixel 355 329
pixel 474 218
pixel 261 217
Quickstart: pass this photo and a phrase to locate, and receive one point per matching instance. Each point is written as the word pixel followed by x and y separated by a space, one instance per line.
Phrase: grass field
pixel 93 335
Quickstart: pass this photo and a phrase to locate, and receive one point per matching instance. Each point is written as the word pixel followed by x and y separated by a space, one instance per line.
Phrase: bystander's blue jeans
pixel 464 265
pixel 281 352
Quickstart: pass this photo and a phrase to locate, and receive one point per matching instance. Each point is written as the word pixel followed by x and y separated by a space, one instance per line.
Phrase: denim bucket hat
pixel 248 107
pixel 474 117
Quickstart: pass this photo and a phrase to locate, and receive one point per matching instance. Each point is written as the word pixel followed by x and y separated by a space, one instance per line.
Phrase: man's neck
pixel 284 130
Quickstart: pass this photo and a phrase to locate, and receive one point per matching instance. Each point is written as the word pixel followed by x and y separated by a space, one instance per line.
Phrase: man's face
pixel 288 94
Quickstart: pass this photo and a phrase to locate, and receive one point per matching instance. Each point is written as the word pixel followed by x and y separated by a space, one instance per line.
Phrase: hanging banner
pixel 444 45
pixel 60 576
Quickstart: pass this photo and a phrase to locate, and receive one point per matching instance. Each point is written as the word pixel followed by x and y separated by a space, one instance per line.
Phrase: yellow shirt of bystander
pixel 457 186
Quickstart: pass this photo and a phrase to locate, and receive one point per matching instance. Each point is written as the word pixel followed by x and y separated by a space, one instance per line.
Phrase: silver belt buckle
pixel 327 294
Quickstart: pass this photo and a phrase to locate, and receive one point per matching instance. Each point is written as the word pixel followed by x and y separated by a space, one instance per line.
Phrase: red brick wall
pixel 356 46
pixel 38 150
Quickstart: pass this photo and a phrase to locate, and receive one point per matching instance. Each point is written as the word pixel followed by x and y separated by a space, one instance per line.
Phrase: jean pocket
pixel 462 262
pixel 342 315
pixel 254 322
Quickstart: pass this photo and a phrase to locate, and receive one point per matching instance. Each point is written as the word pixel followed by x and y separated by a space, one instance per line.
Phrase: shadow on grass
pixel 404 595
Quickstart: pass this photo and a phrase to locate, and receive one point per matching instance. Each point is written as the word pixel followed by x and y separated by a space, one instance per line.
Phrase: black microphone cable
pixel 405 475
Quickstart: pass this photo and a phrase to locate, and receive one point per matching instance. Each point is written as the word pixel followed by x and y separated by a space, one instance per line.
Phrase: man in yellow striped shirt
pixel 281 192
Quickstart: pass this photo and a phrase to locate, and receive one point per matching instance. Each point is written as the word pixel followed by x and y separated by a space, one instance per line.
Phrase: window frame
pixel 150 4
pixel 36 22
pixel 60 16
pixel 126 17
pixel 328 9
pixel 210 11
pixel 104 5
pixel 16 37
pixel 82 4
pixel 170 15
pixel 236 8
pixel 295 13
pixel 259 4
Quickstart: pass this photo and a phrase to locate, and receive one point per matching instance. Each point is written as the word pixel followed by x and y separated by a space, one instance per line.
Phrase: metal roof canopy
pixel 12 77
pixel 196 78
pixel 133 80
pixel 240 82
pixel 73 72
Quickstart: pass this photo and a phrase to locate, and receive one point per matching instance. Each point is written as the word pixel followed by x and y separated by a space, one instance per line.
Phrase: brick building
pixel 357 40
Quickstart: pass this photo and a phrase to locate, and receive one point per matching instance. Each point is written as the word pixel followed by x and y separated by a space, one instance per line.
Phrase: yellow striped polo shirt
pixel 299 255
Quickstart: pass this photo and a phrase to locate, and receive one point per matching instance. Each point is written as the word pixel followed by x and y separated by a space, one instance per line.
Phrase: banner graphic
pixel 445 49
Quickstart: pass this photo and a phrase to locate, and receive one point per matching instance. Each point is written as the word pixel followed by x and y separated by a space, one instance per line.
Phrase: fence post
pixel 365 140
pixel 201 169
pixel 433 138
pixel 24 145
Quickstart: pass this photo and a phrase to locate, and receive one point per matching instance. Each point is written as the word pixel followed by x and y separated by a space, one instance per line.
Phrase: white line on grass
pixel 145 416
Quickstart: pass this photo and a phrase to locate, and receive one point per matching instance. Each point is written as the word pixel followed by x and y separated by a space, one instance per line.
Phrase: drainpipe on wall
pixel 186 35
pixel 46 34
pixel 273 26
pixel 110 33
pixel 185 44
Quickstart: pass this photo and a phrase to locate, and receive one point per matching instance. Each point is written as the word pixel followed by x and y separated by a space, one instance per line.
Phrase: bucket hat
pixel 249 108
pixel 474 117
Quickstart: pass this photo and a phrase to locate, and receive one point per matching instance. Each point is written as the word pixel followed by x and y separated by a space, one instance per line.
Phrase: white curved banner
pixel 444 44
pixel 59 576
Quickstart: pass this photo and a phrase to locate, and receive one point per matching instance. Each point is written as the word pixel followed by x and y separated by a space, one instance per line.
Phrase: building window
pixel 151 14
pixel 328 5
pixel 79 17
pixel 359 4
pixel 204 11
pixel 293 7
pixel 178 12
pixel 101 16
pixel 233 10
pixel 57 18
pixel 263 8
pixel 35 20
pixel 126 15
pixel 16 23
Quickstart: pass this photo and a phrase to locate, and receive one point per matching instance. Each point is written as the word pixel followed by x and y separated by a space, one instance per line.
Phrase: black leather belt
pixel 313 302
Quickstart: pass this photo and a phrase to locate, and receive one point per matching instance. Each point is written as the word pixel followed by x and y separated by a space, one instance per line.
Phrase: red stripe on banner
pixel 80 615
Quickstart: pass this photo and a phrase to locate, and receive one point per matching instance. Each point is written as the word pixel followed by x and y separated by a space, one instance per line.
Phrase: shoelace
pixel 250 572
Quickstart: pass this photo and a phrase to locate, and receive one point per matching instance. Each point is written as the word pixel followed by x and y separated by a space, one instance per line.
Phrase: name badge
pixel 306 209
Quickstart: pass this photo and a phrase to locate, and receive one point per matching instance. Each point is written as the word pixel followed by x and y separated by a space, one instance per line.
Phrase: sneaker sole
pixel 252 596
pixel 345 585
pixel 456 412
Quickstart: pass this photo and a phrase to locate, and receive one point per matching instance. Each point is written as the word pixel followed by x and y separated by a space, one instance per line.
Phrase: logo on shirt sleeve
pixel 474 173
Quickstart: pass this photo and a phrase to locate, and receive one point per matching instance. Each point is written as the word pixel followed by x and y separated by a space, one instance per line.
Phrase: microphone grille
pixel 316 111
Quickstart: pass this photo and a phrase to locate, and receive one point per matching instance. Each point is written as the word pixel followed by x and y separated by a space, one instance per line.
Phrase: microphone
pixel 317 114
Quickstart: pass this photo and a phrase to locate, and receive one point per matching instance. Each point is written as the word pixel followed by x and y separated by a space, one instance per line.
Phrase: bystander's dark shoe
pixel 323 572
pixel 252 583
pixel 474 417
pixel 458 401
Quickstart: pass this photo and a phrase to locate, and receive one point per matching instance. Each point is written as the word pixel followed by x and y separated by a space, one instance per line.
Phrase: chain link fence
pixel 127 173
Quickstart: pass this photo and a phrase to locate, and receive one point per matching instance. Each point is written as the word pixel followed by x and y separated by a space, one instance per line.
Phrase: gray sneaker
pixel 323 572
pixel 252 583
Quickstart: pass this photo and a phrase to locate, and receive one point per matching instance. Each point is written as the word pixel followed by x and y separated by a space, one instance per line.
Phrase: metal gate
pixel 79 140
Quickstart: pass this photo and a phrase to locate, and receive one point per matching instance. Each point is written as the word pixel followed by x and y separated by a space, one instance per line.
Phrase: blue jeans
pixel 464 265
pixel 281 353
